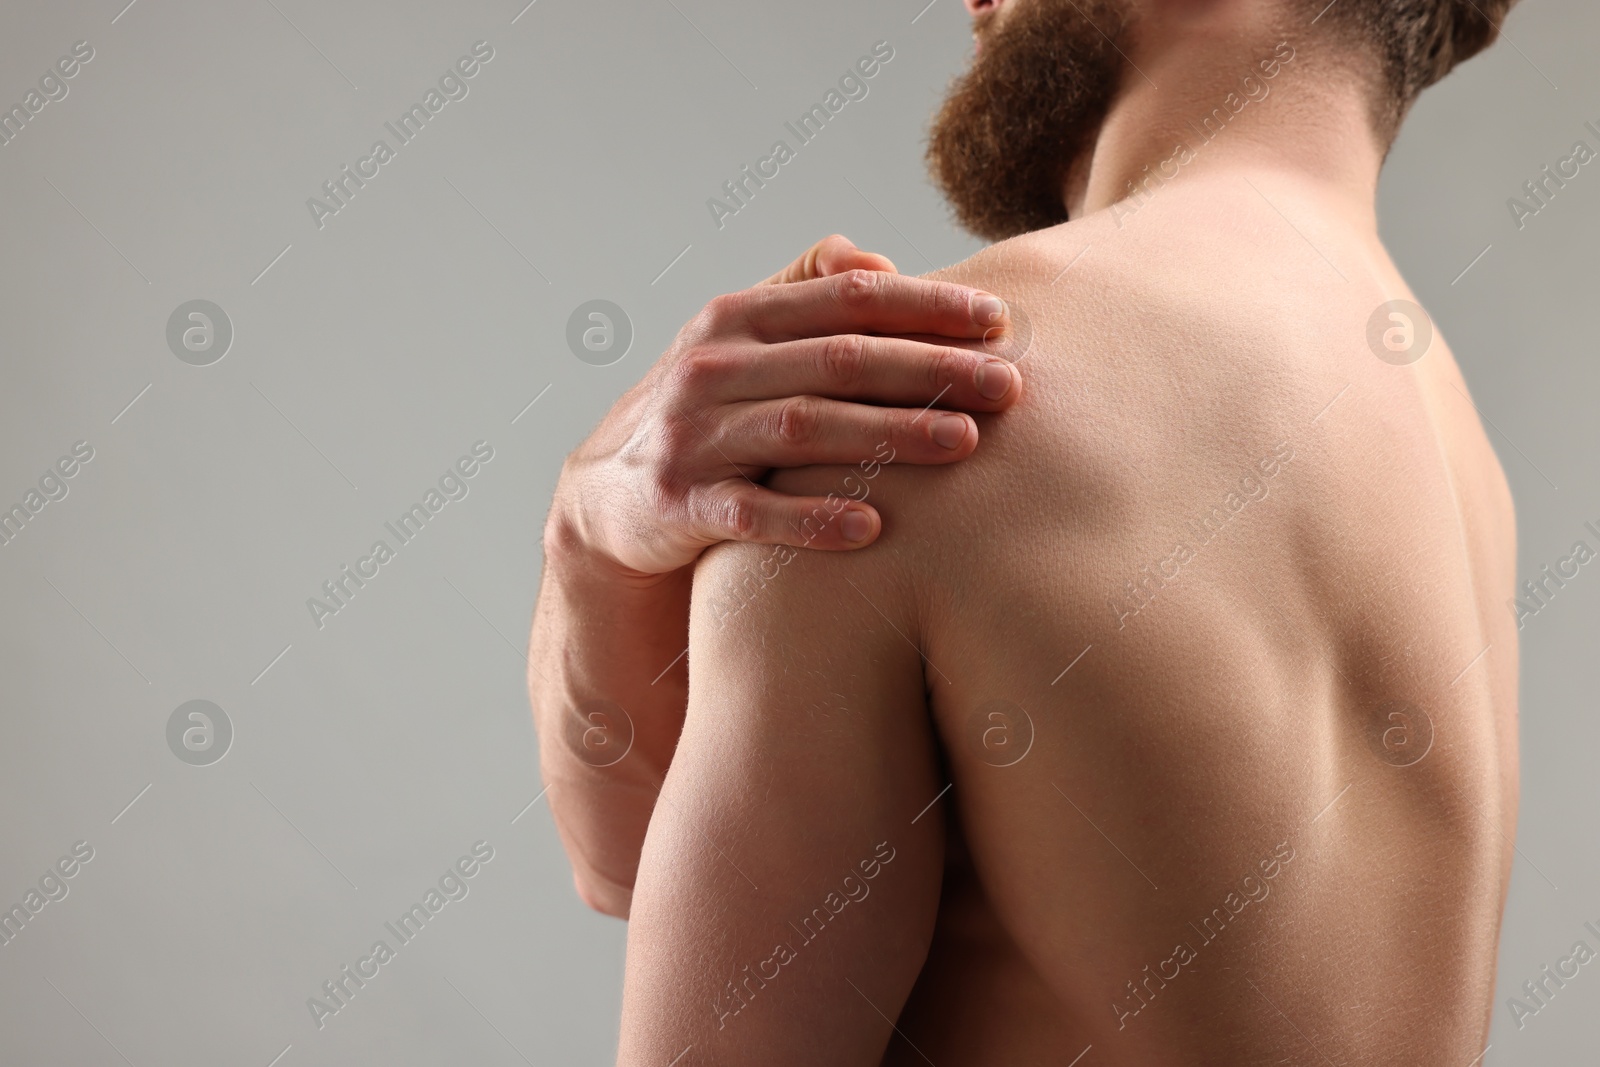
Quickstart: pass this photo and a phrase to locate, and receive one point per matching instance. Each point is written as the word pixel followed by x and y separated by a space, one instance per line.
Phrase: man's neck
pixel 1311 127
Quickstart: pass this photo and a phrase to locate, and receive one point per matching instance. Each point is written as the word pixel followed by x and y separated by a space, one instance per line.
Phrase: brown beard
pixel 1034 96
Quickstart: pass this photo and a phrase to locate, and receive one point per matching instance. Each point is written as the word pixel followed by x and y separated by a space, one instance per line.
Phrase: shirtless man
pixel 1175 725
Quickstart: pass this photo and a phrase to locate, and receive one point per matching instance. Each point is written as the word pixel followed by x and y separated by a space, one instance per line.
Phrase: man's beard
pixel 1034 97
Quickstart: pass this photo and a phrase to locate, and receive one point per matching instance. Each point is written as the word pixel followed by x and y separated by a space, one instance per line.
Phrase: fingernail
pixel 949 431
pixel 987 310
pixel 855 525
pixel 994 379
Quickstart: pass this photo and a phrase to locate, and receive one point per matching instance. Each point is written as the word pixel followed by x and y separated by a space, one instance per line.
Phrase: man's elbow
pixel 603 833
pixel 602 894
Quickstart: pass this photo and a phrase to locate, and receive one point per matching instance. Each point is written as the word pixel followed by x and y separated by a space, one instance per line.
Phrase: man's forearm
pixel 609 685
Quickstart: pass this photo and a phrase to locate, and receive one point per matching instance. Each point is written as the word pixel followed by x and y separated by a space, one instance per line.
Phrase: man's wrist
pixel 576 559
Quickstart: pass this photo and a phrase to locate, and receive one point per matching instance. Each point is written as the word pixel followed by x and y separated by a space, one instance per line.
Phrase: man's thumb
pixel 829 256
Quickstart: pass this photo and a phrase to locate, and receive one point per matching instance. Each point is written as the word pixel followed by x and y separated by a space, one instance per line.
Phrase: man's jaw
pixel 1032 98
pixel 982 24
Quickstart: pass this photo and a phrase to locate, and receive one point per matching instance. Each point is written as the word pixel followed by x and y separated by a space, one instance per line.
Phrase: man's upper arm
pixel 785 898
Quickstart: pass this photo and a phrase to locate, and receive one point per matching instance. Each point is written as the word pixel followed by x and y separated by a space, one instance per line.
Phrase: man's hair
pixel 1416 42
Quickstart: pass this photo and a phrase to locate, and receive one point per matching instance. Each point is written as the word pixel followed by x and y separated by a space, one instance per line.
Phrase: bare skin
pixel 792 372
pixel 1255 810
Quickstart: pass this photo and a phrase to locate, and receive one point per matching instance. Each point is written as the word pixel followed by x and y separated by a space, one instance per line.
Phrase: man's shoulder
pixel 1065 440
pixel 1034 269
pixel 1138 367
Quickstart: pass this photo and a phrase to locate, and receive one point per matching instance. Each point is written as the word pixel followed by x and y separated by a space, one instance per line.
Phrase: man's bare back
pixel 1243 583
pixel 1214 650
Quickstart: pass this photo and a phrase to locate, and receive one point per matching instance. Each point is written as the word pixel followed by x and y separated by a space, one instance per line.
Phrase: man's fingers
pixel 829 256
pixel 865 301
pixel 883 370
pixel 838 255
pixel 743 512
pixel 800 431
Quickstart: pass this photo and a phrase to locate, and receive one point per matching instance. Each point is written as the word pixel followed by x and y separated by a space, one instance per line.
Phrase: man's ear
pixel 829 256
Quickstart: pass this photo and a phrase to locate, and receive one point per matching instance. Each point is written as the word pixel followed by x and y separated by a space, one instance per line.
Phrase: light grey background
pixel 372 753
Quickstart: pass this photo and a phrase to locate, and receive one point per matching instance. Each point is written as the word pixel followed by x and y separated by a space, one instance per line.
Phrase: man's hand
pixel 799 370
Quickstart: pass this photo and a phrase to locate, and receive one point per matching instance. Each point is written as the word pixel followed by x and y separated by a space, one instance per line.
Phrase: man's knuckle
pixel 946 366
pixel 844 359
pixel 925 296
pixel 933 302
pixel 740 516
pixel 676 441
pixel 700 368
pixel 725 308
pixel 858 286
pixel 901 429
pixel 797 421
pixel 664 491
